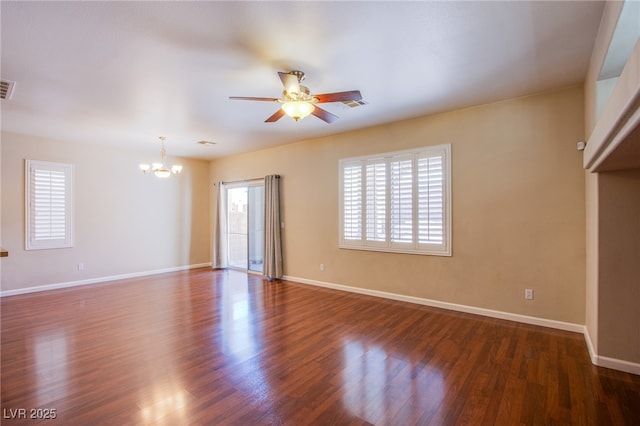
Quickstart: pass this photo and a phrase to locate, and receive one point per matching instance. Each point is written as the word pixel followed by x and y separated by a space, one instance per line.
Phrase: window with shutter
pixel 397 201
pixel 48 197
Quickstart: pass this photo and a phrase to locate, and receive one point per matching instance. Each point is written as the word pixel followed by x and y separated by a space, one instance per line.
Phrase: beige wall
pixel 125 222
pixel 613 265
pixel 518 207
pixel 619 265
pixel 1 259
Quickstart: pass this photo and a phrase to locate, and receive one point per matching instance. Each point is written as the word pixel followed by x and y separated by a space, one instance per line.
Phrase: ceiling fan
pixel 297 101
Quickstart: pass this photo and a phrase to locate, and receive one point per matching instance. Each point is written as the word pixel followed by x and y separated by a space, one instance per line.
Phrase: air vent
pixel 206 143
pixel 6 88
pixel 353 104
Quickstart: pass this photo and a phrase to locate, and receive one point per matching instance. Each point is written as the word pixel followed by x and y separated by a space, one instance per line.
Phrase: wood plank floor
pixel 222 347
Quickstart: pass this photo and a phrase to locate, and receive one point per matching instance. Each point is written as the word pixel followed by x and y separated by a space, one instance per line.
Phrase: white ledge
pixel 620 117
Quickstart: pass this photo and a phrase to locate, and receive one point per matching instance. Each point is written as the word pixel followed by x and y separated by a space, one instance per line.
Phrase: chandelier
pixel 161 169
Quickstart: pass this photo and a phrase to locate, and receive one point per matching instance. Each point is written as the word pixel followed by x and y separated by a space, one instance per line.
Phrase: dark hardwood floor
pixel 222 347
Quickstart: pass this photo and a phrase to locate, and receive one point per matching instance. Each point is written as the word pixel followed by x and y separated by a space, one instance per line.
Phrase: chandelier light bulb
pixel 162 173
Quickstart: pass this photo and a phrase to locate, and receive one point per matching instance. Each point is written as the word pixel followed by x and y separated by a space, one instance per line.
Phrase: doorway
pixel 245 226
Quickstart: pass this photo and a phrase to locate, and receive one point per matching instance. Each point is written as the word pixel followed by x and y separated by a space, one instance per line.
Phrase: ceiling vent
pixel 353 104
pixel 6 88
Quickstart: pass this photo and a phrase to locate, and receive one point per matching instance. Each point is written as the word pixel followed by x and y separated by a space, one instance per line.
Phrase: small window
pixel 49 205
pixel 397 201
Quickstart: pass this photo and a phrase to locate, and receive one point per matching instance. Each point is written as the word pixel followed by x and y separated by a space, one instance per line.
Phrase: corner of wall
pixel 591 237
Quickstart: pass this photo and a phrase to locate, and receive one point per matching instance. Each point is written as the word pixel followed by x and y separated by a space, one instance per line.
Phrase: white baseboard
pixel 446 305
pixel 592 350
pixel 99 280
pixel 618 364
pixel 606 362
pixel 601 361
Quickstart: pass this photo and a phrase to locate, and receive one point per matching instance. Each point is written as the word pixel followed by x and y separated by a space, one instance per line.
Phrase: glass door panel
pixel 256 227
pixel 237 215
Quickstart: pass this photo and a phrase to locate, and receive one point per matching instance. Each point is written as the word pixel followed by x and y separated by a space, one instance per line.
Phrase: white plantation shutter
pixel 402 201
pixel 431 208
pixel 352 202
pixel 397 201
pixel 48 205
pixel 376 207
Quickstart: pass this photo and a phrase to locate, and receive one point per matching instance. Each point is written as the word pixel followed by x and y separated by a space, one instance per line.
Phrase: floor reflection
pixel 50 353
pixel 164 403
pixel 238 334
pixel 241 333
pixel 374 381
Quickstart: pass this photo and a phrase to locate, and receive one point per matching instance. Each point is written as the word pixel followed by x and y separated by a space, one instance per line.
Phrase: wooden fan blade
pixel 353 95
pixel 251 98
pixel 290 83
pixel 276 116
pixel 323 114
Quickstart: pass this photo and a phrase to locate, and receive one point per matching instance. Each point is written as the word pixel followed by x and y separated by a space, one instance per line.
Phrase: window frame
pixel 32 242
pixel 415 246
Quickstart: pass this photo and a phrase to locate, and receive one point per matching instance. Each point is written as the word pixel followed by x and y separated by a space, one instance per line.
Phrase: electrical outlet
pixel 80 266
pixel 528 293
pixel 322 267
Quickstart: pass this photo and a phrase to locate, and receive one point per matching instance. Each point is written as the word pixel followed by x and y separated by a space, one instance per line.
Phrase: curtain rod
pixel 246 180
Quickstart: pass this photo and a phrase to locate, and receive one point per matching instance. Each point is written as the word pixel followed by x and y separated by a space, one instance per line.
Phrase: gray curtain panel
pixel 272 267
pixel 219 229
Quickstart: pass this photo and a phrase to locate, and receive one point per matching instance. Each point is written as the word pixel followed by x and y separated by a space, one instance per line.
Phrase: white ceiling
pixel 124 73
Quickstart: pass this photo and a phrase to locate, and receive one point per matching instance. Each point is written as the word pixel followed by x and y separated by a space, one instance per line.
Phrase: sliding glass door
pixel 245 226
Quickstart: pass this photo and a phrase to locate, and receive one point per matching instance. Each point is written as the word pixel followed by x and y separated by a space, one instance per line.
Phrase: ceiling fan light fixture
pixel 298 109
pixel 297 101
